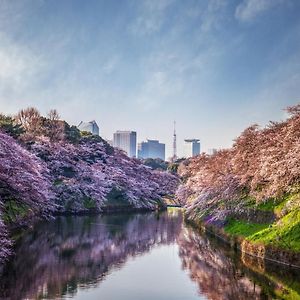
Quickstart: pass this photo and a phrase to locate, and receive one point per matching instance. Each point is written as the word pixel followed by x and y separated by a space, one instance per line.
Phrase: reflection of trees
pixel 212 269
pixel 59 256
pixel 221 274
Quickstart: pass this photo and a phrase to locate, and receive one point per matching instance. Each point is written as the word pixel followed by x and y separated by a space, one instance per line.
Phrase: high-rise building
pixel 126 140
pixel 91 127
pixel 151 149
pixel 191 147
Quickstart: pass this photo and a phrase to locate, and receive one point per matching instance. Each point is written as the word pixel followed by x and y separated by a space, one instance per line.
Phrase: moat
pixel 136 256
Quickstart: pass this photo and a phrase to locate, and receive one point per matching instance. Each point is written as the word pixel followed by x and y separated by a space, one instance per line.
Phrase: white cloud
pixel 159 88
pixel 110 65
pixel 18 68
pixel 248 10
pixel 150 17
pixel 212 15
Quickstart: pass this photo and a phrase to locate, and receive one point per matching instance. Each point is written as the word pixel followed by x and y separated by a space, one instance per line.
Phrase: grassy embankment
pixel 283 233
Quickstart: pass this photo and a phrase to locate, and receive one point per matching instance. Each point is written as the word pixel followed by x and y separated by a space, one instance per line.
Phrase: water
pixel 136 256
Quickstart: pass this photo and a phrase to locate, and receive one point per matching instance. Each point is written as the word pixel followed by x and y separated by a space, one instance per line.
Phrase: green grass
pixel 89 203
pixel 272 204
pixel 243 228
pixel 268 205
pixel 283 234
pixel 14 211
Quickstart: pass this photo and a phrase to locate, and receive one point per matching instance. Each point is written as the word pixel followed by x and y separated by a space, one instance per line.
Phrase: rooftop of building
pixel 93 122
pixel 192 140
pixel 125 131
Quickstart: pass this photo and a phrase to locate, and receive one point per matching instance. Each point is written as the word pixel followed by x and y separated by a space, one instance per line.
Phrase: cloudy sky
pixel 214 66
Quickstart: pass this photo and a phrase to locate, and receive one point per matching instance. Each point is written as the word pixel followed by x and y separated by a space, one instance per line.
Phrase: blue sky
pixel 214 66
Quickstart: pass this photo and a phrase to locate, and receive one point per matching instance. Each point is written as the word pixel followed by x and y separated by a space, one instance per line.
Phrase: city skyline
pixel 215 67
pixel 150 148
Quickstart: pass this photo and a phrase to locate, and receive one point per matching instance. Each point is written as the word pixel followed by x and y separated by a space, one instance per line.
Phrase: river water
pixel 136 256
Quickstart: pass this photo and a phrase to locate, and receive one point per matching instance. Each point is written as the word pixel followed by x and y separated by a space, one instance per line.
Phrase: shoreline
pixel 14 229
pixel 265 252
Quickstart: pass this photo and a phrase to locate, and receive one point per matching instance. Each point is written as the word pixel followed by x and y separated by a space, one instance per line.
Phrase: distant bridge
pixel 174 205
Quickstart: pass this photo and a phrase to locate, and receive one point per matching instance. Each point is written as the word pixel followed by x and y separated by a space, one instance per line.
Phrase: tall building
pixel 151 149
pixel 125 140
pixel 91 127
pixel 191 147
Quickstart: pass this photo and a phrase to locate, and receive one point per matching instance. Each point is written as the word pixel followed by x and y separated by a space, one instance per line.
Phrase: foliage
pixel 14 211
pixel 285 233
pixel 262 164
pixel 155 163
pixel 72 133
pixel 23 177
pixel 173 166
pixel 8 126
pixel 60 169
pixel 23 182
pixel 30 119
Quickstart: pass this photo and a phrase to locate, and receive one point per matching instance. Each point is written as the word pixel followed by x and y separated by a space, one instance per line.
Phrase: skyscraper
pixel 126 140
pixel 191 147
pixel 151 149
pixel 91 127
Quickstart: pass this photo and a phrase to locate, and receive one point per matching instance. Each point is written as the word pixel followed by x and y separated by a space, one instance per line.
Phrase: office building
pixel 125 140
pixel 91 127
pixel 191 147
pixel 151 149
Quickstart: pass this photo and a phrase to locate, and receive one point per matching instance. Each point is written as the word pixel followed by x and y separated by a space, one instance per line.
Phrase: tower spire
pixel 174 157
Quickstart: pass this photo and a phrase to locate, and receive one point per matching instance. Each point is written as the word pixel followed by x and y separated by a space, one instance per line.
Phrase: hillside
pixel 250 193
pixel 48 167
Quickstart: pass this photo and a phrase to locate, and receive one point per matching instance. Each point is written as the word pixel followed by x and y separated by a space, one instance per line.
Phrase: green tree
pixel 8 126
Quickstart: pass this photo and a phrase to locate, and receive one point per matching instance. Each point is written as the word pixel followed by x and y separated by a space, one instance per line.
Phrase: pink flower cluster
pixel 59 176
pixel 262 164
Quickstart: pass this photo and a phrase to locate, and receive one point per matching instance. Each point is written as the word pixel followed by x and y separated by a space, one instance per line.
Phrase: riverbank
pixel 249 194
pixel 264 231
pixel 45 172
pixel 16 229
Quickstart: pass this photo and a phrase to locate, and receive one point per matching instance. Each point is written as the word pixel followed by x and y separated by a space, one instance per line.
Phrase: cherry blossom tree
pixel 262 164
pixel 24 188
pixel 46 171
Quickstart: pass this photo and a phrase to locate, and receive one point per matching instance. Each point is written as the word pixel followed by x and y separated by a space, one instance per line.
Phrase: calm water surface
pixel 136 256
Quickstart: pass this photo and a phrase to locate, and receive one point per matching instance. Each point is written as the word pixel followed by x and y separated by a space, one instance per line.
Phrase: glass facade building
pixel 191 147
pixel 91 127
pixel 125 140
pixel 151 149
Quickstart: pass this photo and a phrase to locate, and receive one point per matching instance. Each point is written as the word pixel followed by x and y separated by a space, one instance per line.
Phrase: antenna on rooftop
pixel 174 157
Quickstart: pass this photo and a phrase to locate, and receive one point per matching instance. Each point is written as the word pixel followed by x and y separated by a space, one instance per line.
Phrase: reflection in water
pixel 213 270
pixel 69 254
pixel 222 273
pixel 59 256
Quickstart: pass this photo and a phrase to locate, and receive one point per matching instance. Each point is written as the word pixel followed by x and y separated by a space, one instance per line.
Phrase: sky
pixel 214 66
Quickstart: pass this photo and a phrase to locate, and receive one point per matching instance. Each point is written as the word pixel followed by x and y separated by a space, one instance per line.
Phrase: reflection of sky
pixel 155 275
pixel 137 64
